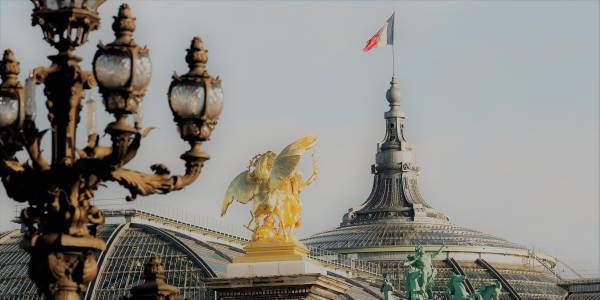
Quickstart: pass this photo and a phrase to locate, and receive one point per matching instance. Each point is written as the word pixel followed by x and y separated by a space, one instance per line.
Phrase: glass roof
pixel 123 267
pixel 403 234
pixel 187 262
pixel 14 282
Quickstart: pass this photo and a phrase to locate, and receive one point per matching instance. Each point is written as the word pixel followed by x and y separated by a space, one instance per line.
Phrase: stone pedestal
pixel 264 251
pixel 273 268
pixel 299 286
pixel 272 258
pixel 276 270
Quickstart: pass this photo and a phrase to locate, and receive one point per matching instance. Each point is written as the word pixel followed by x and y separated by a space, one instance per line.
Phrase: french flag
pixel 383 37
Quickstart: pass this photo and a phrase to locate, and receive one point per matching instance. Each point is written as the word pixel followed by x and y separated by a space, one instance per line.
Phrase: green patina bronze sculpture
pixel 387 289
pixel 490 291
pixel 420 274
pixel 457 290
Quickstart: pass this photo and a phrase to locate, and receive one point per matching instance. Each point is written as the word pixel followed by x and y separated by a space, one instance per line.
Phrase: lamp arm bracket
pixel 16 179
pixel 124 147
pixel 32 138
pixel 93 149
pixel 89 81
pixel 134 145
pixel 41 73
pixel 159 182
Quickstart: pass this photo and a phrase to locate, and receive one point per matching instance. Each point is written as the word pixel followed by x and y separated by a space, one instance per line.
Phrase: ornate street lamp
pixel 11 103
pixel 123 70
pixel 196 99
pixel 61 222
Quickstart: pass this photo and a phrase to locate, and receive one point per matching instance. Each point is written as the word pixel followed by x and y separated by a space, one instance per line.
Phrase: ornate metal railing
pixel 564 272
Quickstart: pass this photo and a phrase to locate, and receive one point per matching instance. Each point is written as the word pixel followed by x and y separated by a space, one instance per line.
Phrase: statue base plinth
pixel 300 286
pixel 268 251
pixel 276 270
pixel 272 258
pixel 272 268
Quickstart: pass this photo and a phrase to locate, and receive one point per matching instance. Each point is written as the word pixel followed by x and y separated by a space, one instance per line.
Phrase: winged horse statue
pixel 273 185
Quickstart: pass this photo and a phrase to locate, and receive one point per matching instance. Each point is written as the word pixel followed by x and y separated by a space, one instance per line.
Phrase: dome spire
pixel 393 94
pixel 395 194
pixel 394 137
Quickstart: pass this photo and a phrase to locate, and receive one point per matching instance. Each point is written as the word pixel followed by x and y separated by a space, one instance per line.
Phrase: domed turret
pixel 395 195
pixel 395 218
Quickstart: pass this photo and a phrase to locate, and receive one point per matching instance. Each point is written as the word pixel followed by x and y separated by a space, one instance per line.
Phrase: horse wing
pixel 242 189
pixel 285 163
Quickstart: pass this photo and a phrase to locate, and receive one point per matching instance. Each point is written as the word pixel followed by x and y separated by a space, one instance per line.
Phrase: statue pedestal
pixel 273 258
pixel 298 286
pixel 273 268
pixel 276 270
pixel 264 251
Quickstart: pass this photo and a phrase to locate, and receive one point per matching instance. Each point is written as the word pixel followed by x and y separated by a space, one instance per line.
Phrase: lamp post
pixel 60 219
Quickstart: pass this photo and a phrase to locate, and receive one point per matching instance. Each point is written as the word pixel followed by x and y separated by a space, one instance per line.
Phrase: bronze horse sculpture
pixel 457 290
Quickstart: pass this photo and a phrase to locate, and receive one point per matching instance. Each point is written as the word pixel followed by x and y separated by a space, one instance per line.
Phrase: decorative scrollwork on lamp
pixel 60 219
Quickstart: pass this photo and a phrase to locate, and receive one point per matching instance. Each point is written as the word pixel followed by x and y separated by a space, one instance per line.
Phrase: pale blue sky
pixel 501 100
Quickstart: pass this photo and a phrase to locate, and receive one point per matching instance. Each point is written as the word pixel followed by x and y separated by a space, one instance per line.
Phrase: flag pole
pixel 394 46
pixel 393 60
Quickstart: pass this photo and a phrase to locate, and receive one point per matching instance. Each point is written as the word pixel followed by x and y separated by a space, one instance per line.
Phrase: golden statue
pixel 273 184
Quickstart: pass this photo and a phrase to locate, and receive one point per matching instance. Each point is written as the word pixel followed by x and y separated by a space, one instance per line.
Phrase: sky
pixel 501 99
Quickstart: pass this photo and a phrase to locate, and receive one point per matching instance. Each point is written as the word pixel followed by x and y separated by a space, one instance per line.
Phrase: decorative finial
pixel 393 93
pixel 154 270
pixel 9 68
pixel 154 286
pixel 124 25
pixel 197 56
pixel 92 5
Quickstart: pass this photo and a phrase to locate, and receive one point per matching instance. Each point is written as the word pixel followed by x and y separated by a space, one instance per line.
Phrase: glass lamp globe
pixel 196 98
pixel 113 70
pixel 122 68
pixel 214 101
pixel 9 110
pixel 142 68
pixel 187 99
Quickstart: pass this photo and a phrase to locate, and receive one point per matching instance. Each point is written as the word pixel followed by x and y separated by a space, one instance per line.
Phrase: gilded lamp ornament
pixel 273 185
pixel 61 222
